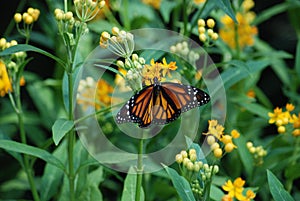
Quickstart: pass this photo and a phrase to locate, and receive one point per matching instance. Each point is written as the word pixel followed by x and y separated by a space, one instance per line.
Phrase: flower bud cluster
pixel 206 32
pixel 216 136
pixel 67 23
pixel 86 10
pixel 190 161
pixel 120 43
pixel 183 50
pixel 134 66
pixel 28 17
pixel 258 153
pixel 13 59
pixel 197 172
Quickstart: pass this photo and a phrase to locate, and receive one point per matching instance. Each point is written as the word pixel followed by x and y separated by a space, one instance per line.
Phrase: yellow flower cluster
pixel 207 34
pixel 5 85
pixel 86 10
pixel 199 1
pixel 95 94
pixel 189 161
pixel 157 70
pixel 28 17
pixel 243 32
pixel 154 3
pixel 9 67
pixel 216 132
pixel 258 153
pixel 121 43
pixel 285 118
pixel 5 80
pixel 235 190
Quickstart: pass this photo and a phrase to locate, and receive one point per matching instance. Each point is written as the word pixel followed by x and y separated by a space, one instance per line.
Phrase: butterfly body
pixel 161 103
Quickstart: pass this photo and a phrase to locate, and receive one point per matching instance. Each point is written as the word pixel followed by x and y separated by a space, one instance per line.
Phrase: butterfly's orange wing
pixel 161 104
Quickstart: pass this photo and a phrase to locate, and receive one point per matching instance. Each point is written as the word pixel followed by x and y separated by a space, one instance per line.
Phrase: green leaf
pixel 166 9
pixel 292 171
pixel 17 156
pixel 277 64
pixel 297 62
pixel 27 48
pixel 33 151
pixel 99 26
pixel 216 193
pixel 115 158
pixel 255 109
pixel 60 128
pixel 225 5
pixel 240 71
pixel 91 191
pixel 277 190
pixel 52 177
pixel 45 102
pixel 181 185
pixel 192 145
pixel 245 155
pixel 270 12
pixel 130 187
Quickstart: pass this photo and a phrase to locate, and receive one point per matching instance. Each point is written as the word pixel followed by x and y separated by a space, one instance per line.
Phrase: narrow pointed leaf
pixel 33 151
pixel 60 128
pixel 27 48
pixel 277 190
pixel 181 185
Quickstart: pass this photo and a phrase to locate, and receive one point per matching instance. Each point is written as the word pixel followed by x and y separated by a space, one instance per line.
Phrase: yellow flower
pixel 199 1
pixel 249 195
pixel 96 94
pixel 274 117
pixel 234 189
pixel 235 134
pixel 296 132
pixel 296 121
pixel 247 5
pixel 245 31
pixel 154 3
pixel 227 198
pixel 215 129
pixel 289 107
pixel 157 70
pixel 5 85
pixel 251 93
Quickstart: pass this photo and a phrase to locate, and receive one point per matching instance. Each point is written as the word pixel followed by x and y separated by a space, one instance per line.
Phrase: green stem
pixel 185 18
pixel 28 168
pixel 236 39
pixel 290 181
pixel 71 139
pixel 139 176
pixel 195 20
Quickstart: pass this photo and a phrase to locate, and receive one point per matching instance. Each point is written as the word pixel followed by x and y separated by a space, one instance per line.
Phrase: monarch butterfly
pixel 161 103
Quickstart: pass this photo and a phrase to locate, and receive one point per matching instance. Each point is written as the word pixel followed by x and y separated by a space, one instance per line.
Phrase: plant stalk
pixel 28 168
pixel 139 176
pixel 71 139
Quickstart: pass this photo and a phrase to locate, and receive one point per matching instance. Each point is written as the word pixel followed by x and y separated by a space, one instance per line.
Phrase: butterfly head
pixel 156 81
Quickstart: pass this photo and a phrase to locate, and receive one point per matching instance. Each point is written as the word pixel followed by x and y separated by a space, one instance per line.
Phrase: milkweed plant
pixel 150 100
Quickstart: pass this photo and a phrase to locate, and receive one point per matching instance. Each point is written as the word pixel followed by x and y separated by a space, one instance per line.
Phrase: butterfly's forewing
pixel 138 107
pixel 188 96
